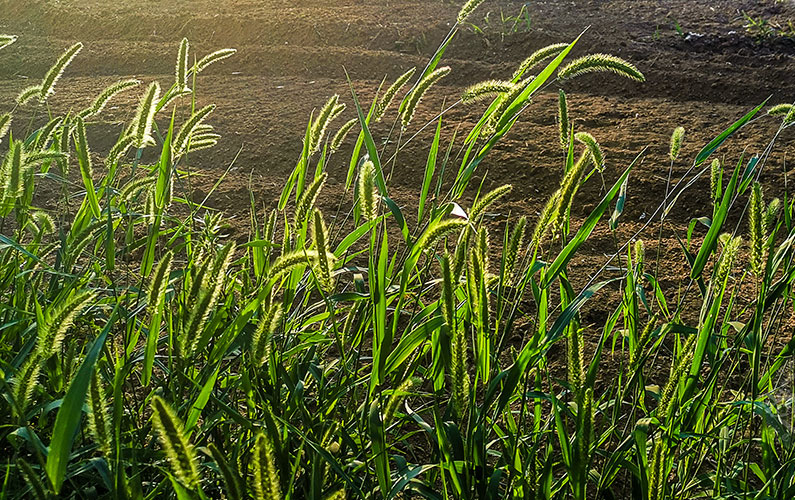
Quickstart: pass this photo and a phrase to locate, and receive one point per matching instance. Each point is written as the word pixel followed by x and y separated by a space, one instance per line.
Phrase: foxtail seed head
pixel 563 119
pixel 390 93
pixel 231 479
pixel 27 94
pixel 306 203
pixel 667 400
pixel 548 214
pixel 318 129
pixel 482 248
pixel 291 260
pixel 339 137
pixel 715 180
pixel 266 477
pixel 5 124
pixel 538 56
pixel 47 133
pixel 209 282
pixel 338 110
pixel 59 318
pixel 55 73
pixel 568 188
pixel 99 421
pixel 781 110
pixel 771 214
pixel 366 191
pixel 729 254
pixel 106 95
pixel 261 339
pixel 186 133
pixel 600 62
pixel 171 96
pixel 178 449
pixel 639 256
pixel 486 201
pixel 44 221
pixel 438 230
pixel 484 90
pixel 14 171
pixel 324 262
pixel 119 149
pixel 790 116
pixel 419 91
pixel 467 9
pixel 756 225
pixel 181 71
pixel 461 254
pixel 676 143
pixel 595 151
pixel 398 396
pixel 337 495
pixel 459 374
pixel 6 40
pixel 448 291
pixel 25 381
pixel 515 242
pixel 211 58
pixel 144 117
pixel 499 117
pixel 575 356
pixel 656 469
pixel 33 479
pixel 159 284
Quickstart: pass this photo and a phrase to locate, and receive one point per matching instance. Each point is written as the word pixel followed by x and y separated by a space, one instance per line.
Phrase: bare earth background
pixel 291 58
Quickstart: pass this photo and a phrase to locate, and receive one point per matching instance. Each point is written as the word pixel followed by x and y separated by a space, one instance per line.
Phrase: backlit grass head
pixel 537 57
pixel 676 143
pixel 414 98
pixel 178 449
pixel 598 63
pixel 141 128
pixel 391 92
pixel 57 70
pixel 485 90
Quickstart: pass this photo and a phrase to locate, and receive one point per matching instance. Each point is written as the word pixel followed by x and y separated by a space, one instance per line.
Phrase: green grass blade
pixel 84 161
pixel 71 411
pixel 708 245
pixel 715 143
pixel 378 443
pixel 587 227
pixel 430 167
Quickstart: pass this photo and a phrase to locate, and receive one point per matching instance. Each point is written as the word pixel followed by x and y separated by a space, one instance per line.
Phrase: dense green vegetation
pixel 354 356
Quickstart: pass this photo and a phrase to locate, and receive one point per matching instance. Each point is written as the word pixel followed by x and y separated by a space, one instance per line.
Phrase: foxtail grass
pixel 181 71
pixel 266 479
pixel 676 143
pixel 391 92
pixel 537 57
pixel 47 87
pixel 416 95
pixel 178 449
pixel 106 95
pixel 342 133
pixel 600 62
pixel 595 151
pixel 141 128
pixel 484 90
pixel 366 191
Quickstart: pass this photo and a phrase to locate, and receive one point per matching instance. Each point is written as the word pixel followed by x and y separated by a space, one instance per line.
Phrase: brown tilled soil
pixel 704 70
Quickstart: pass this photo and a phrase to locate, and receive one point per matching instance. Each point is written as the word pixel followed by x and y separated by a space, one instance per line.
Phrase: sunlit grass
pixel 355 355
